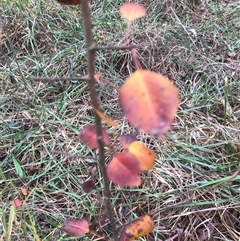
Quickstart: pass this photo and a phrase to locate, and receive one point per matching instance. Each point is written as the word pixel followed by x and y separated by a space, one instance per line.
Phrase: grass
pixel 193 191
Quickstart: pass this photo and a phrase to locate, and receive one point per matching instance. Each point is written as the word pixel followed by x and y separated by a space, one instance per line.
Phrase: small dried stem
pixel 94 101
pixel 133 50
pixel 135 59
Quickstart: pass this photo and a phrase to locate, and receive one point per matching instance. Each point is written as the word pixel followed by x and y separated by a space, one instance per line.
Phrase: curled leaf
pixel 132 11
pixel 139 228
pixel 88 136
pixel 69 2
pixel 145 156
pixel 126 140
pixel 76 227
pixel 149 102
pixel 106 118
pixel 124 170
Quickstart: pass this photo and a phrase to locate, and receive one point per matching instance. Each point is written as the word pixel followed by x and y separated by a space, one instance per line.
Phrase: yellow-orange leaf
pixel 124 170
pixel 139 228
pixel 149 101
pixel 75 227
pixel 106 118
pixel 24 191
pixel 97 76
pixel 69 2
pixel 132 11
pixel 145 156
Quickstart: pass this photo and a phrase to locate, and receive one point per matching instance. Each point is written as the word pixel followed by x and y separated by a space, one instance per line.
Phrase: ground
pixel 192 193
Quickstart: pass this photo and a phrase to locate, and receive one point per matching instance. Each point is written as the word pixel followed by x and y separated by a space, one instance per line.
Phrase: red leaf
pixel 88 186
pixel 69 2
pixel 88 136
pixel 149 101
pixel 124 170
pixel 76 227
pixel 132 11
pixel 17 202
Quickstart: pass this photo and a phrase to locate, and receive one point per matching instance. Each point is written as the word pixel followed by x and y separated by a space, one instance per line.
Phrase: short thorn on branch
pixel 52 79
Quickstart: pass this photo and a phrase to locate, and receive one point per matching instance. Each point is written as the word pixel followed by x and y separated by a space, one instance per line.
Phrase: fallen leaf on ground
pixel 76 227
pixel 88 186
pixel 24 191
pixel 17 202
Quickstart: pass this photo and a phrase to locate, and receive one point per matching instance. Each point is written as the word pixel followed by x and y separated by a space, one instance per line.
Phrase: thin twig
pixel 94 101
pixel 133 50
pixel 52 79
pixel 123 47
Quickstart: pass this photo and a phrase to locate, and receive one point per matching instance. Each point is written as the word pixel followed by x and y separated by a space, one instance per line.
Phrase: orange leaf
pixel 24 191
pixel 69 2
pixel 126 140
pixel 149 101
pixel 88 136
pixel 145 156
pixel 139 228
pixel 106 118
pixel 123 170
pixel 17 202
pixel 132 11
pixel 97 76
pixel 75 227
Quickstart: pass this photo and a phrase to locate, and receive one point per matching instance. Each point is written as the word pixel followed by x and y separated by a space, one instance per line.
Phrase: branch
pixel 94 101
pixel 52 79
